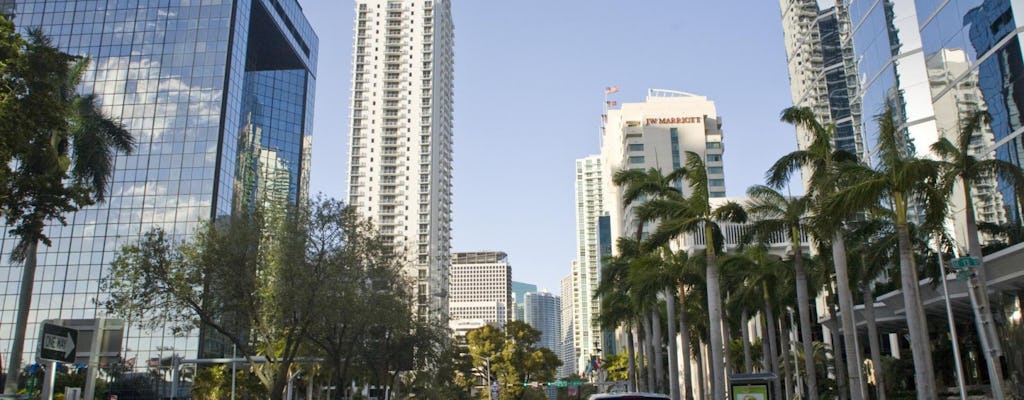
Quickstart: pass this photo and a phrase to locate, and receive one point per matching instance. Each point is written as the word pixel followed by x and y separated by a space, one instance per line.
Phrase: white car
pixel 629 396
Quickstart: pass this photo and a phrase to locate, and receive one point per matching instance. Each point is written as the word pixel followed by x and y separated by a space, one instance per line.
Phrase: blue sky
pixel 529 80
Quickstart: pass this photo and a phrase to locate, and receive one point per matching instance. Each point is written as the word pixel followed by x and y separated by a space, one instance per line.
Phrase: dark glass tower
pixel 219 96
pixel 1001 79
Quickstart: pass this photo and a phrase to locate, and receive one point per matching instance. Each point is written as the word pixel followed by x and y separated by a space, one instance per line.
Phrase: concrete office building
pixel 481 289
pixel 567 348
pixel 219 97
pixel 657 134
pixel 543 311
pixel 400 160
pixel 519 291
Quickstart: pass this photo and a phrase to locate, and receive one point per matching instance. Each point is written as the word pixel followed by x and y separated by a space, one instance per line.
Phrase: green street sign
pixel 966 262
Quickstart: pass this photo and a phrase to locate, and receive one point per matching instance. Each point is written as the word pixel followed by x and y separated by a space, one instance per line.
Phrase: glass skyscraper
pixel 219 97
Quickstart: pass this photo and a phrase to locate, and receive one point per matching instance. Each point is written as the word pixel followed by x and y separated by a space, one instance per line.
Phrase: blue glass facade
pixel 990 28
pixel 843 110
pixel 604 241
pixel 936 60
pixel 219 96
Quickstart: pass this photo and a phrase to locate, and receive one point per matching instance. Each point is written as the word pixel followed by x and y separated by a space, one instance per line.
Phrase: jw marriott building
pixel 219 98
pixel 401 135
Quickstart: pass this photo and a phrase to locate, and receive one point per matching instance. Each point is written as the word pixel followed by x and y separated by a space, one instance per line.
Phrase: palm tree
pixel 647 280
pixel 619 302
pixel 900 180
pixel 772 213
pixel 687 276
pixel 821 159
pixel 62 165
pixel 670 262
pixel 760 277
pixel 694 215
pixel 962 167
pixel 877 250
pixel 637 186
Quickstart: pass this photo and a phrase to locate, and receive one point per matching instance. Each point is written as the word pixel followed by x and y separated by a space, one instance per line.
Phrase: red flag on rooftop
pixel 611 89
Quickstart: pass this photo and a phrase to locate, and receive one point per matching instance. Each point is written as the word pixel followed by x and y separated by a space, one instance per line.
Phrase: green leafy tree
pixel 258 282
pixel 57 157
pixel 514 356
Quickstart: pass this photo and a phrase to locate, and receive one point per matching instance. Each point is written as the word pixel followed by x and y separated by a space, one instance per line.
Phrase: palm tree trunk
pixel 924 376
pixel 28 277
pixel 701 378
pixel 630 361
pixel 983 318
pixel 846 316
pixel 748 364
pixel 659 354
pixel 803 307
pixel 727 341
pixel 714 317
pixel 772 323
pixel 649 353
pixel 673 356
pixel 684 333
pixel 784 355
pixel 766 358
pixel 876 353
pixel 641 358
pixel 837 354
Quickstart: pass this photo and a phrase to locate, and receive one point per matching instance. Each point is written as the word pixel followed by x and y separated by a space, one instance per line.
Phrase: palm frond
pixel 730 212
pixel 779 173
pixel 94 139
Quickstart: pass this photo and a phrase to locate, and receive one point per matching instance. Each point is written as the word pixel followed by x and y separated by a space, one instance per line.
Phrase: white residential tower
pixel 401 135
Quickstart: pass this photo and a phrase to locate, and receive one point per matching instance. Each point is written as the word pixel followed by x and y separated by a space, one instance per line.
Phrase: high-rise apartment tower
pixel 822 69
pixel 400 160
pixel 567 347
pixel 586 268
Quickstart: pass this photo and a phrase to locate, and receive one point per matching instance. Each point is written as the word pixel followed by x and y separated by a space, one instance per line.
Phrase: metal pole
pixel 94 360
pixel 983 334
pixel 174 376
pixel 234 355
pixel 952 329
pixel 488 360
pixel 49 374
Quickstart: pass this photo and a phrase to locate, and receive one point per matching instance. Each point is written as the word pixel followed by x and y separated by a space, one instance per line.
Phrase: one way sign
pixel 57 343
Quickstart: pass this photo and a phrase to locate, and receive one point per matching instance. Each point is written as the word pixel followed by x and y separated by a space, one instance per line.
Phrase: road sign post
pixel 56 344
